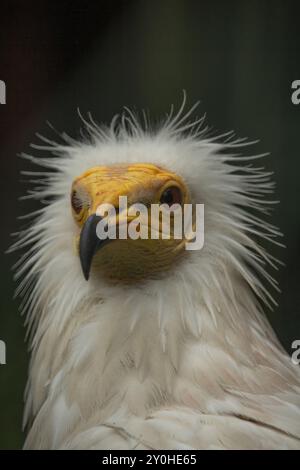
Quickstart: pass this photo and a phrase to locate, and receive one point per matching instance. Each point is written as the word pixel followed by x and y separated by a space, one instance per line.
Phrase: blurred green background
pixel 239 58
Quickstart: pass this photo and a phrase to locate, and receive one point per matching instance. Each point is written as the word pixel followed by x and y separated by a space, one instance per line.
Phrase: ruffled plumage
pixel 187 360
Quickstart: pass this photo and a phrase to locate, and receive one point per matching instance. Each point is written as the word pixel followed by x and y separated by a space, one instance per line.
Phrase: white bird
pixel 161 348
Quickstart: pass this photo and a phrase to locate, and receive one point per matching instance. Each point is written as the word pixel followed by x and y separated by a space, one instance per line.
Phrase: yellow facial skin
pixel 128 260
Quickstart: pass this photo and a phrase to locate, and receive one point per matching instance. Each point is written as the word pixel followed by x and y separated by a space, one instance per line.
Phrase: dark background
pixel 239 58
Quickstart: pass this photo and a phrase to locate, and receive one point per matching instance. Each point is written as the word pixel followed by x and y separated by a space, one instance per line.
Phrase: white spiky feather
pixel 182 362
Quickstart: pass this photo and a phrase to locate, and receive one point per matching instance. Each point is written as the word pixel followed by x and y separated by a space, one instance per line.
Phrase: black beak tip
pixel 86 274
pixel 85 265
pixel 88 244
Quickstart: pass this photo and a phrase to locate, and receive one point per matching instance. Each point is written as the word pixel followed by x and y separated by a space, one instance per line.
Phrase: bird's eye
pixel 171 195
pixel 76 203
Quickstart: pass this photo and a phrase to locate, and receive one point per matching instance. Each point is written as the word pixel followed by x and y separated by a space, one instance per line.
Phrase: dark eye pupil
pixel 76 203
pixel 171 196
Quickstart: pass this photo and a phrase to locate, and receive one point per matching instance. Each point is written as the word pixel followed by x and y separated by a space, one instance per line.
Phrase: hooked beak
pixel 89 243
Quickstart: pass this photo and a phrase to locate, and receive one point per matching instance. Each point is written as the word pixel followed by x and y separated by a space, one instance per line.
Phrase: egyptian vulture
pixel 142 344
